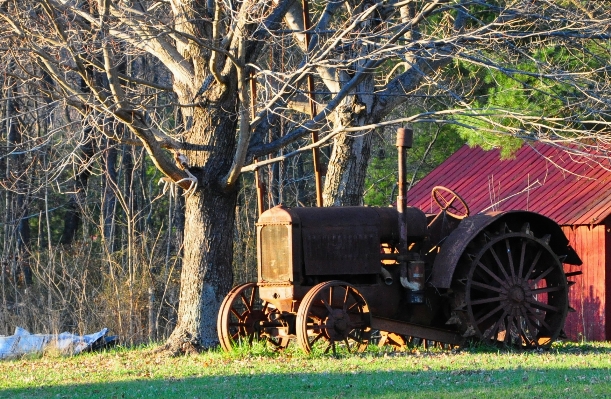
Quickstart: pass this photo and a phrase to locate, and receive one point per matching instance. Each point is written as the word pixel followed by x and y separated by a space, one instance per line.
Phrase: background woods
pixel 100 97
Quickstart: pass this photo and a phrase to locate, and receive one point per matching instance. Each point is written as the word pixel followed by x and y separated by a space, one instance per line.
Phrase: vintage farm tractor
pixel 332 276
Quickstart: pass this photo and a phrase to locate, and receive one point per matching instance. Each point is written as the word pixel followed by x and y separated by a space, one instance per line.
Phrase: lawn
pixel 565 371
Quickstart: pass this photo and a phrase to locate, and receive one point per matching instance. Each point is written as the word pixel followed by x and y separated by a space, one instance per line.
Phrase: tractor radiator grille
pixel 275 253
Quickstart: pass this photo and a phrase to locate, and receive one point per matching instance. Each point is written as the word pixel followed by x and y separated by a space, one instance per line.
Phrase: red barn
pixel 572 189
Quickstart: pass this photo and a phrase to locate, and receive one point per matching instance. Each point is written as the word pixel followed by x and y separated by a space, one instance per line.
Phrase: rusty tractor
pixel 330 277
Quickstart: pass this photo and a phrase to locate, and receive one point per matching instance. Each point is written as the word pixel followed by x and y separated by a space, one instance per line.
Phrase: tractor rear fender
pixel 454 246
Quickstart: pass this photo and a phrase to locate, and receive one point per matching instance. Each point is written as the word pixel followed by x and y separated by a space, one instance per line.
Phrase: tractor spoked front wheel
pixel 244 318
pixel 333 315
pixel 516 291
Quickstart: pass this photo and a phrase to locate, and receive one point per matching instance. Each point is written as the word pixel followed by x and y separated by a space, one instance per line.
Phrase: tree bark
pixel 207 274
pixel 345 179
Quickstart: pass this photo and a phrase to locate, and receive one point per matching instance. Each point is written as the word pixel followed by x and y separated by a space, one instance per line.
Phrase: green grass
pixel 565 371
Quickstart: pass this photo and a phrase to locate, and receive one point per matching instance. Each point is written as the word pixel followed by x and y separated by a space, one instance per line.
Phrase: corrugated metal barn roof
pixel 569 188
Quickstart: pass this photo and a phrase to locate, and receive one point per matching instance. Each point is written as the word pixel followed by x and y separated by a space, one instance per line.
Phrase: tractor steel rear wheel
pixel 244 318
pixel 516 291
pixel 333 315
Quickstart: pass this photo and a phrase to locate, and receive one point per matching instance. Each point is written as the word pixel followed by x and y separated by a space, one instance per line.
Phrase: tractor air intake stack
pixel 412 270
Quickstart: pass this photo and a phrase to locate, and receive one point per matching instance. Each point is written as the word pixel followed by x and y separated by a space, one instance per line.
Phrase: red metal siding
pixel 607 234
pixel 588 295
pixel 571 189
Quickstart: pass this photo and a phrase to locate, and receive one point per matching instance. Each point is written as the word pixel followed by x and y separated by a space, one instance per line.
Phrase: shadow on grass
pixel 476 383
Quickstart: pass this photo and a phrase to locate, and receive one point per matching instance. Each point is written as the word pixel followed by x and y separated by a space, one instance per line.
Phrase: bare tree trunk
pixel 17 178
pixel 72 217
pixel 301 197
pixel 131 196
pixel 23 240
pixel 5 198
pixel 109 199
pixel 275 183
pixel 207 273
pixel 345 179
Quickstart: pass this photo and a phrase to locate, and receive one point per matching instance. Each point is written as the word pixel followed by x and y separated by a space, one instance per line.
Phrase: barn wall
pixel 588 295
pixel 607 308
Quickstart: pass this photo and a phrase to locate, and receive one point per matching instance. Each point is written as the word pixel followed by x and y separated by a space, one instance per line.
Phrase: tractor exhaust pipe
pixel 412 277
pixel 404 141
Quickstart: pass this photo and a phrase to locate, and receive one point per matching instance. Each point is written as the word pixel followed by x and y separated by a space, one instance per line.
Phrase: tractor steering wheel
pixel 445 198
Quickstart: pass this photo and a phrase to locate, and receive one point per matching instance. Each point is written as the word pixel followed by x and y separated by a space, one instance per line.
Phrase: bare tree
pixel 343 67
